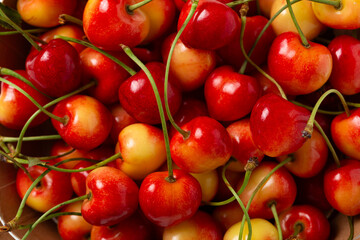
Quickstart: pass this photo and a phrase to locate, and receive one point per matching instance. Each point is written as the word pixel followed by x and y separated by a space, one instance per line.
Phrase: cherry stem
pixel 236 196
pixel 262 183
pixel 243 23
pixel 298 228
pixel 267 25
pixel 65 18
pixel 12 160
pixel 170 178
pixel 351 226
pixel 25 34
pixel 335 3
pixel 42 217
pixel 89 45
pixel 9 72
pixel 328 142
pixel 47 157
pixel 276 217
pixel 184 133
pixel 37 30
pixel 32 138
pixel 304 41
pixel 131 8
pixel 248 172
pixel 27 124
pixel 319 110
pixel 310 124
pixel 51 216
pixel 351 104
pixel 49 114
pixel 236 3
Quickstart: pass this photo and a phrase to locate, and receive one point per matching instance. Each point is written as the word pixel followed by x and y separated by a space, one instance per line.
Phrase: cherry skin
pixel 312 222
pixel 279 189
pixel 299 69
pixel 230 95
pixel 108 24
pixel 88 122
pixel 168 203
pixel 208 146
pixel 104 209
pixel 228 215
pixel 191 66
pixel 200 226
pixel 55 69
pixel 138 99
pixel 345 131
pixel 16 108
pixel 121 120
pixel 72 227
pixel 52 190
pixel 276 125
pixel 78 179
pixel 212 26
pixel 243 144
pixel 310 159
pixel 345 51
pixel 42 13
pixel 342 187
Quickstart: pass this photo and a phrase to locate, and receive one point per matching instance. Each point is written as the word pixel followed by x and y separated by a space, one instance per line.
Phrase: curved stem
pixel 328 143
pixel 236 3
pixel 243 22
pixel 298 228
pixel 128 51
pixel 40 219
pixel 27 124
pixel 304 41
pixel 89 45
pixel 267 25
pixel 51 216
pixel 33 138
pixel 133 7
pixel 351 104
pixel 310 124
pixel 261 184
pixel 185 134
pixel 351 226
pixel 37 30
pixel 25 34
pixel 65 18
pixel 10 159
pixel 276 217
pixel 319 110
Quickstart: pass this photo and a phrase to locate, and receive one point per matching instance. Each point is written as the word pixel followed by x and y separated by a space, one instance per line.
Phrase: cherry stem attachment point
pixel 89 45
pixel 310 124
pixel 243 23
pixel 236 3
pixel 65 18
pixel 276 217
pixel 128 52
pixel 298 228
pixel 184 133
pixel 304 41
pixel 131 8
pixel 335 3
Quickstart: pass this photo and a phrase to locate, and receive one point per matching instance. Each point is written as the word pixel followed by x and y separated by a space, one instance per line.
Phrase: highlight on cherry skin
pixel 179 120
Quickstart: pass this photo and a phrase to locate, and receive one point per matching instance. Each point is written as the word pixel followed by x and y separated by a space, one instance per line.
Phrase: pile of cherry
pixel 204 119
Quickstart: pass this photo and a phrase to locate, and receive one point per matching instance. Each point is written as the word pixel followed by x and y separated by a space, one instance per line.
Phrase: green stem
pixel 310 124
pixel 131 8
pixel 243 23
pixel 49 114
pixel 128 51
pixel 89 45
pixel 37 30
pixel 319 110
pixel 276 217
pixel 262 183
pixel 267 25
pixel 351 226
pixel 184 133
pixel 236 3
pixel 298 228
pixel 40 219
pixel 304 41
pixel 8 158
pixel 3 145
pixel 65 18
pixel 236 196
pixel 335 3
pixel 351 104
pixel 26 35
pixel 27 124
pixel 51 216
pixel 327 140
pixel 33 138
